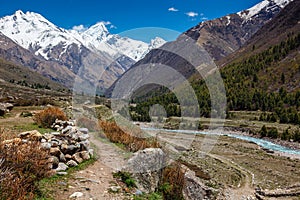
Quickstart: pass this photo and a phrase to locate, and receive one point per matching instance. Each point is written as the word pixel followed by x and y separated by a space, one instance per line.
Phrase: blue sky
pixel 171 16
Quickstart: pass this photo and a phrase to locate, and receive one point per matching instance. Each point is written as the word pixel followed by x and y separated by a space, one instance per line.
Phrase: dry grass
pixel 22 166
pixel 132 142
pixel 48 116
pixel 172 182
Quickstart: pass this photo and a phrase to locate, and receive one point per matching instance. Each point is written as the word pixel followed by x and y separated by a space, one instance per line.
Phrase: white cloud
pixel 172 9
pixel 79 28
pixel 112 26
pixel 106 23
pixel 192 14
pixel 204 18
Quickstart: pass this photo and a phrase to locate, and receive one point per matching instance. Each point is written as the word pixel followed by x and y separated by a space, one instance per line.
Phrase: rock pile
pixel 68 146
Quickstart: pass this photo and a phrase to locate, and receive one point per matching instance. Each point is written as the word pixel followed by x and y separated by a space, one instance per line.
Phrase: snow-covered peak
pixel 265 4
pixel 34 32
pixel 156 43
pixel 98 31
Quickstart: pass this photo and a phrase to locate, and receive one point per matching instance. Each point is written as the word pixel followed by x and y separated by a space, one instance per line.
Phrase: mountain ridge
pixel 60 50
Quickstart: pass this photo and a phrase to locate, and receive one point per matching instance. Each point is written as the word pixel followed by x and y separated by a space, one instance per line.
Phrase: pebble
pixel 76 195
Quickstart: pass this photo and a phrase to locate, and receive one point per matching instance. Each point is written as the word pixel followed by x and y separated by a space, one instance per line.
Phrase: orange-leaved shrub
pixel 172 182
pixel 48 116
pixel 22 165
pixel 132 142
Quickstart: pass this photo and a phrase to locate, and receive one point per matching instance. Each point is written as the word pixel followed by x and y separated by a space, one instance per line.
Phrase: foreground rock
pixel 146 167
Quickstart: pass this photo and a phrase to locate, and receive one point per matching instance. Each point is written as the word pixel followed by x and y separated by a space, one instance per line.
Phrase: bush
pixel 132 142
pixel 126 178
pixel 22 166
pixel 48 116
pixel 172 182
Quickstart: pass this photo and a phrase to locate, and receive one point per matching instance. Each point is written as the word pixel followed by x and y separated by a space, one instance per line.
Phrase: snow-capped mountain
pixel 266 5
pixel 75 49
pixel 225 35
pixel 32 31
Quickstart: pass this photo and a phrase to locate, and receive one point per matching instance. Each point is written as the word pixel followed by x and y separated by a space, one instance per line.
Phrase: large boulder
pixel 146 167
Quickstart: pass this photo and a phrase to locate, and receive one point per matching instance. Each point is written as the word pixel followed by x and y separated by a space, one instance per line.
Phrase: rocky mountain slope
pixel 278 41
pixel 72 49
pixel 10 51
pixel 219 37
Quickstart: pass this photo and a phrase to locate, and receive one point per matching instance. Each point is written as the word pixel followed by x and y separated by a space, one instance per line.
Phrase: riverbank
pixel 279 147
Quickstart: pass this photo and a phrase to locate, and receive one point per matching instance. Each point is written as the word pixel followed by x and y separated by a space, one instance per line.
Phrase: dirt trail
pixel 245 190
pixel 95 180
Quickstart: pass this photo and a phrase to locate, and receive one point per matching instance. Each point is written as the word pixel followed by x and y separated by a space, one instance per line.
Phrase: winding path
pixel 95 180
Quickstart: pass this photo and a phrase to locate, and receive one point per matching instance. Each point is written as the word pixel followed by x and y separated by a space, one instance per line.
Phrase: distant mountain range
pixel 30 40
pixel 69 50
pixel 219 37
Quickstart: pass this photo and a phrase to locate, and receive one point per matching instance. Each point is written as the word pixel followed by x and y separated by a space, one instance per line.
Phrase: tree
pixel 263 132
pixel 282 78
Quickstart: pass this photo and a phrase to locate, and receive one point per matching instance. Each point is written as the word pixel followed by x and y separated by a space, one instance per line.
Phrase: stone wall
pixel 68 145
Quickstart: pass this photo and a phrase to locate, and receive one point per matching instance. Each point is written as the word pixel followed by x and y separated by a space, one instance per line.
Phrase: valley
pixel 88 113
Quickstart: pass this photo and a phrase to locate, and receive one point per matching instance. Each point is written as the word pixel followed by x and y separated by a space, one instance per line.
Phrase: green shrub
pixel 126 178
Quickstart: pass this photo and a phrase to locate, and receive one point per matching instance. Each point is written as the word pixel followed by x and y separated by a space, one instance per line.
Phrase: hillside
pixel 10 51
pixel 22 86
pixel 265 77
pixel 219 37
pixel 285 24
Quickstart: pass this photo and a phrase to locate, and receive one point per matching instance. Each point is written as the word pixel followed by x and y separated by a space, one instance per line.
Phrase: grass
pixel 31 126
pixel 126 178
pixel 151 196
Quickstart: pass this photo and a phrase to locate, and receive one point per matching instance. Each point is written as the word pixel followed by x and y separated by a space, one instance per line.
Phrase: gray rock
pixel 69 149
pixel 77 157
pixel 83 137
pixel 43 140
pixel 76 195
pixel 55 161
pixel 55 133
pixel 72 163
pixel 114 189
pixel 66 130
pixel 85 155
pixel 62 158
pixel 61 167
pixel 84 145
pixel 84 130
pixel 46 146
pixel 146 167
pixel 62 173
pixel 150 159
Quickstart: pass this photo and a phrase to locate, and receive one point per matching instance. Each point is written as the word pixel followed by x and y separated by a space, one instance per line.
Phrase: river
pixel 261 142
